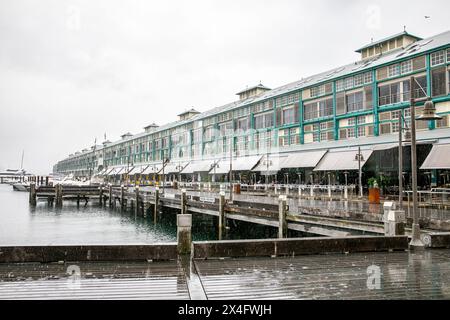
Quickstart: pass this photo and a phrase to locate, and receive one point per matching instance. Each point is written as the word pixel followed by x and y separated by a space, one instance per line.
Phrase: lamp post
pixel 429 113
pixel 165 160
pixel 231 168
pixel 359 157
pixel 267 163
pixel 407 137
pixel 299 178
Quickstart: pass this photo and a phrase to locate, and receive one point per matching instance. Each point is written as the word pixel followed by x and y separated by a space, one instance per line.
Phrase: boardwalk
pixel 403 276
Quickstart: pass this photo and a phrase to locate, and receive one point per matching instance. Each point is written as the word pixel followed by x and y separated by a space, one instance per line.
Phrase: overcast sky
pixel 72 70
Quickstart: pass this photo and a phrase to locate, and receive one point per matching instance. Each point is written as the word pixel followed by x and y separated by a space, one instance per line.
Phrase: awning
pixel 115 171
pixel 238 164
pixel 136 170
pixel 337 160
pixel 152 168
pixel 103 172
pixel 270 165
pixel 438 158
pixel 198 166
pixel 306 159
pixel 174 167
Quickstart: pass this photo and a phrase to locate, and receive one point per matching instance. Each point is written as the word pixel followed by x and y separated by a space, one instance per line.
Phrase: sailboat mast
pixel 21 164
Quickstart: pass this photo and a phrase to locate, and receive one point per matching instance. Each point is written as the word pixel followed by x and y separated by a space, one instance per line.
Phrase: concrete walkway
pixel 396 275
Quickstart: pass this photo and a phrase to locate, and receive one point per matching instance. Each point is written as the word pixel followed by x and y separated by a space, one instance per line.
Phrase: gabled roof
pixel 192 110
pixel 404 33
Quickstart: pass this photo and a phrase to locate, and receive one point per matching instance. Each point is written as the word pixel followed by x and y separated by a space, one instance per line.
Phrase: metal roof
pixel 260 86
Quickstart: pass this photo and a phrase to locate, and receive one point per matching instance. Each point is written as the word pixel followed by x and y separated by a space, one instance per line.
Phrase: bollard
pixel 136 207
pixel 156 207
pixel 33 194
pixel 184 236
pixel 396 223
pixel 282 208
pixel 221 214
pixel 345 193
pixel 329 191
pixel 183 201
pixel 387 206
pixel 101 194
pixel 122 197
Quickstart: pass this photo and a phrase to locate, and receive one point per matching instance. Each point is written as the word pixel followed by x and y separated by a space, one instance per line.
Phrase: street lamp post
pixel 429 113
pixel 359 157
pixel 231 168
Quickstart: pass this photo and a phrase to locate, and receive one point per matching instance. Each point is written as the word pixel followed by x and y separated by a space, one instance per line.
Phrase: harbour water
pixel 21 224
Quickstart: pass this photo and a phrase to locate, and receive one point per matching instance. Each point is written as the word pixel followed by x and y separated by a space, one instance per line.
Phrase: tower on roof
pixel 126 135
pixel 396 41
pixel 188 114
pixel 252 91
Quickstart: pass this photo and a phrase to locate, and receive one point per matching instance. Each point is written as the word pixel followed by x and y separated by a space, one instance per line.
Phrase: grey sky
pixel 72 70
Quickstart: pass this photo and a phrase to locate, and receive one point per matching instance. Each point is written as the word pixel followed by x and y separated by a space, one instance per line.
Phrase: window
pixel 289 116
pixel 351 121
pixel 326 108
pixel 393 70
pixel 320 109
pixel 355 101
pixel 358 80
pixel 361 119
pixel 316 137
pixel 395 114
pixel 367 77
pixel 339 85
pixel 389 94
pixel 226 128
pixel 350 132
pixel 242 124
pixel 323 136
pixel 406 67
pixel 348 83
pixel 438 85
pixel 437 58
pixel 295 139
pixel 264 120
pixel 361 131
pixel 394 126
pixel 310 111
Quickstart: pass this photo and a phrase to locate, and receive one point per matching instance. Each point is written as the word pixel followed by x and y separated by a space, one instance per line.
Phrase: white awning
pixel 238 164
pixel 115 171
pixel 198 166
pixel 175 167
pixel 271 165
pixel 136 170
pixel 152 168
pixel 438 158
pixel 337 160
pixel 306 159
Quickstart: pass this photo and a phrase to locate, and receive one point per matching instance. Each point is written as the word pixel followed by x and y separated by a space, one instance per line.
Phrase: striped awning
pixel 307 159
pixel 238 164
pixel 153 168
pixel 175 167
pixel 270 164
pixel 198 166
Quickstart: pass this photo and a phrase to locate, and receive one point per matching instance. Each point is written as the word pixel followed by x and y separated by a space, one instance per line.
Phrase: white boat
pixel 71 181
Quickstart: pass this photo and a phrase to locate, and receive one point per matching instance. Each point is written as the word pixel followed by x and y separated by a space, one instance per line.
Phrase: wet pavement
pixel 395 275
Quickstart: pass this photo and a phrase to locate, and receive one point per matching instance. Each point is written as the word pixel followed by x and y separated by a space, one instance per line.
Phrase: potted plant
pixel 374 191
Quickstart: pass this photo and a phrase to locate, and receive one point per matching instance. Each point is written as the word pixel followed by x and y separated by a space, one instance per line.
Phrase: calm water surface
pixel 21 224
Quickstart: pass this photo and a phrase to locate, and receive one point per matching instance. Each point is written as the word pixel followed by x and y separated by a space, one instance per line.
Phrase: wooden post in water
pixel 110 195
pixel 33 194
pixel 183 201
pixel 101 194
pixel 156 207
pixel 136 208
pixel 282 208
pixel 58 196
pixel 221 214
pixel 122 197
pixel 46 181
pixel 184 235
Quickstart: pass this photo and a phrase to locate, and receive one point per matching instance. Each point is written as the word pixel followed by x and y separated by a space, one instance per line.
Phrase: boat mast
pixel 21 164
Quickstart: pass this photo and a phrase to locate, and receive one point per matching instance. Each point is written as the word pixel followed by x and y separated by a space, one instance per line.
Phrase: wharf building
pixel 307 131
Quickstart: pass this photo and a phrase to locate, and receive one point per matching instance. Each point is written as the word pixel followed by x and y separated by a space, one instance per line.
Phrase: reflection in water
pixel 21 224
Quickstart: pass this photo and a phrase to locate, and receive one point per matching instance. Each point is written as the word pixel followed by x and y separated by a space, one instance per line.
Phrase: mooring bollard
pixel 183 201
pixel 282 209
pixel 122 197
pixel 221 214
pixel 184 235
pixel 33 194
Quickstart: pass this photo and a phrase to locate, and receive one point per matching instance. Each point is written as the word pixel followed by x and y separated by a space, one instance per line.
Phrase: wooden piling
pixel 122 197
pixel 183 201
pixel 46 181
pixel 136 208
pixel 33 194
pixel 58 196
pixel 101 194
pixel 184 234
pixel 221 214
pixel 110 195
pixel 282 208
pixel 156 205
